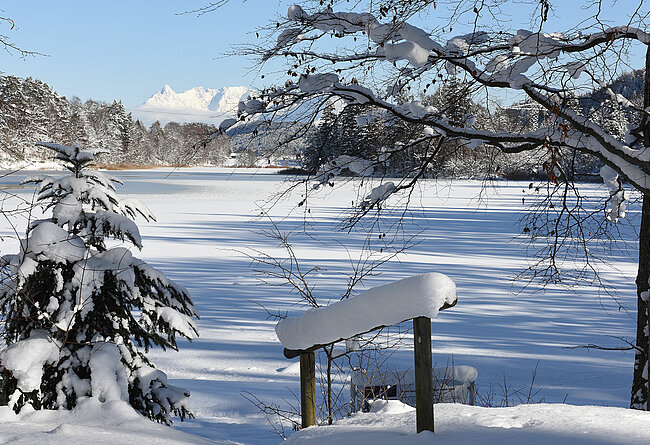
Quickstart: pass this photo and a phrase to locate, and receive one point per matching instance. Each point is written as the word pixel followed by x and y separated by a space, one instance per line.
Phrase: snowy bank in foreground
pixel 90 422
pixel 393 422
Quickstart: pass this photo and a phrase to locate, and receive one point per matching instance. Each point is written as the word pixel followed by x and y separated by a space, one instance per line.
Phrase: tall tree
pixel 382 53
pixel 123 123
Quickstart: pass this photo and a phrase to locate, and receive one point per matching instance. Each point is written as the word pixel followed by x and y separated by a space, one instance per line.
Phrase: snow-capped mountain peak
pixel 197 104
pixel 166 90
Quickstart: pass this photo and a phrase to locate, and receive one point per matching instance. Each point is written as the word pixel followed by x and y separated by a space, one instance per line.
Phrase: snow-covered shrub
pixel 78 305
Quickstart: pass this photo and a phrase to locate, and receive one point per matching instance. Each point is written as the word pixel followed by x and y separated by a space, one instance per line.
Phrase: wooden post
pixel 308 389
pixel 423 374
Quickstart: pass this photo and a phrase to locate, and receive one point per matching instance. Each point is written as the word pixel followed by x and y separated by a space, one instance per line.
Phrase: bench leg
pixel 423 374
pixel 308 389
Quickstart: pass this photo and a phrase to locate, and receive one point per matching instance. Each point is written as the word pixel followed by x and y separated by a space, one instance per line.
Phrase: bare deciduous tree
pixel 384 50
pixel 8 44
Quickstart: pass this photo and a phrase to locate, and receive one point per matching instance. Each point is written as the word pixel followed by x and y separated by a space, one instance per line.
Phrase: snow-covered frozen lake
pixel 209 218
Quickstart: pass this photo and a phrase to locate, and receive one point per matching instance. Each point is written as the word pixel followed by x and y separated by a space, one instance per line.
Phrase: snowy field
pixel 208 218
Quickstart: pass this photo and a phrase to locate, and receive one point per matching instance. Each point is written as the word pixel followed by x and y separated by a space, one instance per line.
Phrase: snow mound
pixel 112 422
pixel 27 358
pixel 381 406
pixel 541 424
pixel 417 296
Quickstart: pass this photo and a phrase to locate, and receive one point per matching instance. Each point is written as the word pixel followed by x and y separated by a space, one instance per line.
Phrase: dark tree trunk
pixel 639 399
pixel 640 382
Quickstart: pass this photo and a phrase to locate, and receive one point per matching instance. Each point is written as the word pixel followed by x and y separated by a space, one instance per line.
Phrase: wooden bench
pixel 419 298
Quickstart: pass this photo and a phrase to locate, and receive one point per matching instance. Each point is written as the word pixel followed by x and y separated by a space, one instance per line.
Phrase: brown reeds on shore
pixel 129 166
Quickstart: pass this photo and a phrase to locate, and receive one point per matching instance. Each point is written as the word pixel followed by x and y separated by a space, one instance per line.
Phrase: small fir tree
pixel 123 123
pixel 78 305
pixel 322 143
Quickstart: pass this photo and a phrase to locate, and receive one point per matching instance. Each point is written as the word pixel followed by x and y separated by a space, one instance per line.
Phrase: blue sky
pixel 127 50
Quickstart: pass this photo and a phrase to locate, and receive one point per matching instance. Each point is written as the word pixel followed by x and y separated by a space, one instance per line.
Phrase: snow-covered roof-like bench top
pixel 418 296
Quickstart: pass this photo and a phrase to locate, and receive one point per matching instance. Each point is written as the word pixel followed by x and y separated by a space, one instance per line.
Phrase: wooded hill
pixel 31 111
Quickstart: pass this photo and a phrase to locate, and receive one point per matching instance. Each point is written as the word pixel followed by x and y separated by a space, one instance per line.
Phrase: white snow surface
pixel 380 193
pixel 414 53
pixel 109 381
pixel 55 243
pixel 417 296
pixel 198 104
pixel 92 422
pixel 206 217
pixel 617 206
pixel 541 424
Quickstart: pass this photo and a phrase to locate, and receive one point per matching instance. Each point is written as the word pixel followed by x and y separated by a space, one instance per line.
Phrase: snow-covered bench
pixel 419 298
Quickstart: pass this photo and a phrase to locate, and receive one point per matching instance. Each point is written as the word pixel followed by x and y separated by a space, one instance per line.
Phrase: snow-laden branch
pixel 491 61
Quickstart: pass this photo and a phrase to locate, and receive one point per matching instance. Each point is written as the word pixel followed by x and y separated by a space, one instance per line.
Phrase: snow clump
pixel 418 296
pixel 616 208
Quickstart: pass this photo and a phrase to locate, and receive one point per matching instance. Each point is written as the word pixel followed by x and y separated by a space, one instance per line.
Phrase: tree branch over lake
pixel 387 55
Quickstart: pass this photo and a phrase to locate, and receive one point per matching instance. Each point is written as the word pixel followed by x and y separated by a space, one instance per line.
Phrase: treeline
pixel 31 111
pixel 372 135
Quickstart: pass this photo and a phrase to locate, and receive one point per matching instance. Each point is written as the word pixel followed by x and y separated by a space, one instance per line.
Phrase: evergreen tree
pixel 123 123
pixel 453 99
pixel 341 134
pixel 78 307
pixel 76 132
pixel 157 137
pixel 15 115
pixel 320 146
pixel 611 117
pixel 142 146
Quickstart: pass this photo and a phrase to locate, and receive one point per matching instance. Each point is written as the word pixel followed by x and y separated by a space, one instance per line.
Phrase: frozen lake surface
pixel 208 219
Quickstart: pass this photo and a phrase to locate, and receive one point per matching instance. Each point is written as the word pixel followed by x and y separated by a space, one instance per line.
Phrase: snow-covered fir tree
pixel 351 131
pixel 123 123
pixel 80 310
pixel 321 144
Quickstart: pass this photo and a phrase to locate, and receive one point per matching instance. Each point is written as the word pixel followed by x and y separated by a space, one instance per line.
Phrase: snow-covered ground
pixel 208 218
pixel 538 424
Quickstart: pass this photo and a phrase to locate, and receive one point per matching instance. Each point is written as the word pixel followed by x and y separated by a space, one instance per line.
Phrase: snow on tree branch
pixel 501 62
pixel 78 308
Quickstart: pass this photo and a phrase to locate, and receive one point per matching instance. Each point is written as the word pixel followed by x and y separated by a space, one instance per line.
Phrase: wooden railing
pixel 423 370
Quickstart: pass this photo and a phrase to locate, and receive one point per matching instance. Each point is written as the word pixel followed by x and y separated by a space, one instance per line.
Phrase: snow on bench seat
pixel 418 296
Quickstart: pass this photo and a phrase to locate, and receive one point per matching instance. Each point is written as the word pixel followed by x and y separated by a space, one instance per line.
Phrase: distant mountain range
pixel 210 106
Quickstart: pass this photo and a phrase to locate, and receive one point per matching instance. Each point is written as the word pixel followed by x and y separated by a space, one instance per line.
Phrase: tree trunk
pixel 640 382
pixel 640 388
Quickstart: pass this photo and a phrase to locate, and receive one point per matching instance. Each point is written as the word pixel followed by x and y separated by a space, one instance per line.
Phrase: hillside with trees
pixel 31 111
pixel 362 133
